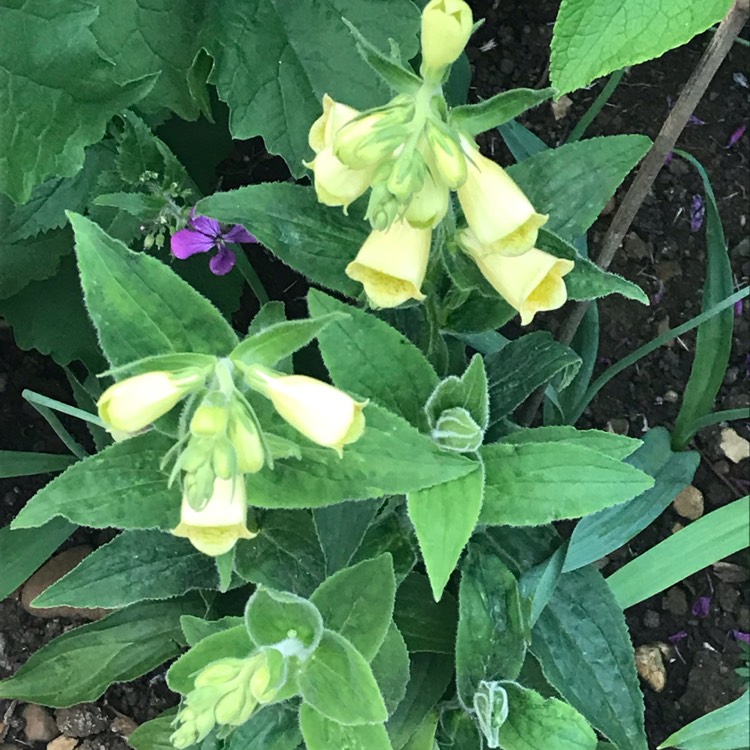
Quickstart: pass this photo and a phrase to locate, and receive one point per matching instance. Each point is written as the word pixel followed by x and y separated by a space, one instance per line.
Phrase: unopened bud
pixel 209 420
pixel 407 176
pixel 446 28
pixel 247 443
pixel 447 155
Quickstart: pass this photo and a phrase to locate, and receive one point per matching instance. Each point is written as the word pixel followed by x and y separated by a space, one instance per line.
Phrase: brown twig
pixel 691 94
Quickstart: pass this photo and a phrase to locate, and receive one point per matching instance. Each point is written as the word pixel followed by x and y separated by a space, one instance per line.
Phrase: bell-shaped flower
pixel 322 413
pixel 323 130
pixel 391 265
pixel 215 528
pixel 134 403
pixel 446 28
pixel 496 209
pixel 530 283
pixel 335 183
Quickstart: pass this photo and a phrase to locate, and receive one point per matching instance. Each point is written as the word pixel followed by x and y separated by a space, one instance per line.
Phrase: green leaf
pixel 139 306
pixel 64 95
pixel 285 554
pixel 314 239
pixel 473 119
pixel 424 736
pixel 281 340
pixel 595 166
pixel 390 458
pixel 601 533
pixel 711 538
pixel 726 728
pixel 276 727
pixel 521 142
pixel 28 463
pixel 279 47
pixel 231 643
pixel 468 392
pixel 338 682
pixel 81 664
pixel 713 343
pixel 270 616
pixel 479 313
pixel 121 486
pixel 492 632
pixel 154 734
pixel 391 668
pixel 607 443
pixel 529 485
pixel 341 529
pixel 22 551
pixel 320 733
pixel 425 624
pixel 136 565
pixel 357 602
pixel 391 533
pixel 593 38
pixel 582 644
pixel 367 356
pixel 196 628
pixel 536 723
pixel 444 517
pixel 521 367
pixel 457 731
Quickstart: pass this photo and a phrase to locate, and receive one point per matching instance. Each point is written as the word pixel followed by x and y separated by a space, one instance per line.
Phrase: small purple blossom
pixel 678 636
pixel 697 213
pixel 694 120
pixel 702 606
pixel 668 158
pixel 736 135
pixel 202 235
pixel 740 636
pixel 738 308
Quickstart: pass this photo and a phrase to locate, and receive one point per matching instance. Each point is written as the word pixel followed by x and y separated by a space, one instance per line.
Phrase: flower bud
pixel 368 139
pixel 224 459
pixel 382 208
pixel 247 442
pixel 134 403
pixel 496 209
pixel 216 528
pixel 407 176
pixel 429 205
pixel 446 28
pixel 335 183
pixel 391 265
pixel 322 413
pixel 446 155
pixel 335 116
pixel 209 420
pixel 530 283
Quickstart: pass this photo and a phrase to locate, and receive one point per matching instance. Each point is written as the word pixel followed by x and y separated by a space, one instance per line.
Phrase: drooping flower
pixel 202 235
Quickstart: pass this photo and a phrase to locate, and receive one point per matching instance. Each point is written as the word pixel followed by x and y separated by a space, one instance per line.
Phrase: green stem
pixel 248 272
pixel 596 106
pixel 35 398
pixel 68 440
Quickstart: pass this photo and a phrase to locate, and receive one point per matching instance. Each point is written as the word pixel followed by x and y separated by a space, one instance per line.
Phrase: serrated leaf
pixel 595 166
pixel 357 602
pixel 391 668
pixel 593 37
pixel 497 110
pixel 134 566
pixel 279 47
pixel 444 517
pixel 139 306
pixel 530 485
pixel 609 444
pixel 81 664
pixel 320 733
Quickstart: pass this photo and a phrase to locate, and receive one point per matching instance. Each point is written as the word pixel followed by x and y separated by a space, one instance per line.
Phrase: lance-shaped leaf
pixel 493 112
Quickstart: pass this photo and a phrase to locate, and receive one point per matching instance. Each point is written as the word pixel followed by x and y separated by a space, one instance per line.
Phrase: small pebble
pixel 671 397
pixel 40 726
pixel 675 601
pixel 84 720
pixel 689 503
pixel 734 447
pixel 650 666
pixel 63 743
pixel 618 426
pixel 123 726
pixel 731 573
pixel 651 619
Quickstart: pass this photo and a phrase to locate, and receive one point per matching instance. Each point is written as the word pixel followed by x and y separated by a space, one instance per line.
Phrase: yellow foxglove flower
pixel 499 214
pixel 446 28
pixel 335 183
pixel 335 116
pixel 530 283
pixel 429 204
pixel 248 445
pixel 133 403
pixel 391 265
pixel 322 413
pixel 216 528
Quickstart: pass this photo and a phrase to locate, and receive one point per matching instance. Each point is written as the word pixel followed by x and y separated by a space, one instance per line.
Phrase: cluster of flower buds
pixel 220 439
pixel 410 156
pixel 227 692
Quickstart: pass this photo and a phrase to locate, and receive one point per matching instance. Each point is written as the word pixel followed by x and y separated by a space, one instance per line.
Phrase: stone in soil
pixel 83 720
pixel 689 503
pixel 40 726
pixel 734 446
pixel 63 743
pixel 711 684
pixel 675 601
pixel 649 663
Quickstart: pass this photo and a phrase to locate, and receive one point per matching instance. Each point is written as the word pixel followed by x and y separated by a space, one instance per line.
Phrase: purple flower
pixel 736 136
pixel 738 307
pixel 203 234
pixel 740 636
pixel 693 120
pixel 697 213
pixel 668 158
pixel 702 606
pixel 678 636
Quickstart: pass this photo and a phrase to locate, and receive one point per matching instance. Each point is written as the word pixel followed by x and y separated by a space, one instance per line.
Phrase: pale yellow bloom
pixel 497 210
pixel 247 443
pixel 446 155
pixel 335 183
pixel 133 403
pixel 335 116
pixel 216 528
pixel 322 413
pixel 530 283
pixel 391 265
pixel 429 204
pixel 446 28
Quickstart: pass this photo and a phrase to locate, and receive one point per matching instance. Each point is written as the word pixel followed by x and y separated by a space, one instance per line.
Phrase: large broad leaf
pixel 594 37
pixel 139 306
pixel 609 443
pixel 391 668
pixel 582 643
pixel 314 239
pixel 274 71
pixel 366 356
pixel 81 664
pixel 320 733
pixel 122 486
pixel 530 485
pixel 57 98
pixel 276 727
pixel 595 166
pixel 136 565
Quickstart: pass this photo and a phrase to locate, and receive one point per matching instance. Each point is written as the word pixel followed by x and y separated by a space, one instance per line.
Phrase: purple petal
pixel 205 225
pixel 238 233
pixel 188 242
pixel 702 606
pixel 678 636
pixel 740 636
pixel 693 120
pixel 697 213
pixel 738 307
pixel 668 158
pixel 736 136
pixel 223 262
